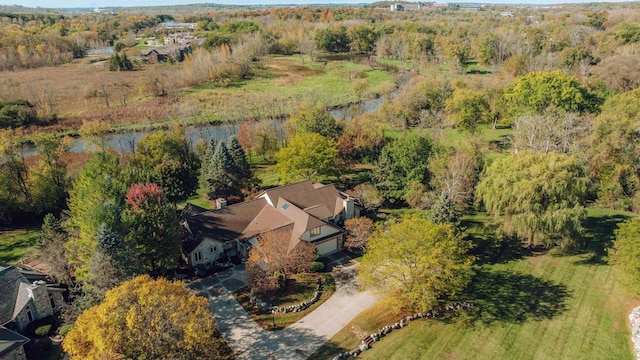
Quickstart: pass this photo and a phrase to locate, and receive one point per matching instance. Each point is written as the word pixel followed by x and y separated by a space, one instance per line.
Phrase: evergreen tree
pixel 243 169
pixel 221 174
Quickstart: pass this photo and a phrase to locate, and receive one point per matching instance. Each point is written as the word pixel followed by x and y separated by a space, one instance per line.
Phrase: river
pixel 125 141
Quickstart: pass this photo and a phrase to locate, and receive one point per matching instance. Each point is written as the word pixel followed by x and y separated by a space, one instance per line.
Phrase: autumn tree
pixel 359 230
pixel 563 133
pixel 401 162
pixel 152 228
pixel 308 156
pixel 537 92
pixel 146 318
pixel 468 108
pixel 620 72
pixel 456 172
pixel 52 251
pixel 333 39
pixel 416 264
pixel 615 150
pixel 315 119
pixel 165 158
pixel 537 197
pixel 625 252
pixel 368 196
pixel 276 256
pixel 96 198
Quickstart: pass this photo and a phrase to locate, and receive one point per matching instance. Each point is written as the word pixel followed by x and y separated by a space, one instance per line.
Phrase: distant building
pixel 168 53
pixel 174 26
pixel 397 7
pixel 100 51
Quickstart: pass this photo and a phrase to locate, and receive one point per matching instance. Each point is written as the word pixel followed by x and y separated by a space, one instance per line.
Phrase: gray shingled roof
pixel 10 340
pixel 10 280
pixel 300 206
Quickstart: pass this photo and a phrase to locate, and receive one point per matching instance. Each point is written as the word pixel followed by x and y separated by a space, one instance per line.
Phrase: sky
pixel 119 3
pixel 124 3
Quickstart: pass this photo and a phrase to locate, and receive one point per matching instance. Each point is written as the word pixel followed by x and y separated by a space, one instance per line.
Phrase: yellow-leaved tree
pixel 416 264
pixel 147 319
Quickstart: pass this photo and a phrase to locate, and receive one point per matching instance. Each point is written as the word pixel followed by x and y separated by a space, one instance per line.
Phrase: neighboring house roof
pixel 294 208
pixel 15 289
pixel 10 340
pixel 11 282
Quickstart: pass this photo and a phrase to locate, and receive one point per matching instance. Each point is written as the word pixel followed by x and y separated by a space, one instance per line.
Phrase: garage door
pixel 327 246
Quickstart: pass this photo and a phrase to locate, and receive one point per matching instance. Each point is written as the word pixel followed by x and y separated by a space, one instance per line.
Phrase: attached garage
pixel 327 247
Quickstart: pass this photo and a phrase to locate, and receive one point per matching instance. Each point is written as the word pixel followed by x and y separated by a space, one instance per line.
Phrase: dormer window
pixel 315 231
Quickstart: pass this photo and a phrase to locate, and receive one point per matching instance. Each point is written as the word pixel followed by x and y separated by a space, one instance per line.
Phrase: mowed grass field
pixel 534 306
pixel 16 245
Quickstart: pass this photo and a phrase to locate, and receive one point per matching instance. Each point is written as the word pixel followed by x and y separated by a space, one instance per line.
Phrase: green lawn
pixel 300 287
pixel 534 306
pixel 281 84
pixel 17 244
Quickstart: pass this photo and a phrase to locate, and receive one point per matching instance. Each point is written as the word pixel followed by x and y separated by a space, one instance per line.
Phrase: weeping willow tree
pixel 537 197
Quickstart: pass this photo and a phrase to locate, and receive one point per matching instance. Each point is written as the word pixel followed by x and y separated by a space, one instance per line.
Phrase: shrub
pixel 64 329
pixel 317 266
pixel 43 330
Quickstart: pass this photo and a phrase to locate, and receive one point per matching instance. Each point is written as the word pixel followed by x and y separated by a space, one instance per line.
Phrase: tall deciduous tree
pixel 401 162
pixel 165 158
pixel 359 229
pixel 152 228
pixel 537 92
pixel 415 264
pixel 309 156
pixel 147 319
pixel 537 197
pixel 625 253
pixel 315 119
pixel 96 198
pixel 615 150
pixel 469 108
pixel 52 251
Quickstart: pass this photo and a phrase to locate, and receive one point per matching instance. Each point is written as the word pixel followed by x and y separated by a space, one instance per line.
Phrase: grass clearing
pixel 16 245
pixel 535 306
pixel 300 287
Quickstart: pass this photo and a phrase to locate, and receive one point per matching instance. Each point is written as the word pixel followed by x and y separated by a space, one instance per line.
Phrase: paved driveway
pixel 297 341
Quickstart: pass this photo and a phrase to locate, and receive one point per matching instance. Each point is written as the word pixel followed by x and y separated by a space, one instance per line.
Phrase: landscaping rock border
pixel 264 306
pixel 634 319
pixel 368 341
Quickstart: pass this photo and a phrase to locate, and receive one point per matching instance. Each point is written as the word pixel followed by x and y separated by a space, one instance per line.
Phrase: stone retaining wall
pixel 264 306
pixel 634 319
pixel 385 330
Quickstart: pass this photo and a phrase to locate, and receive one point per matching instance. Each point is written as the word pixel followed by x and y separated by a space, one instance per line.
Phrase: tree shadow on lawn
pixel 599 235
pixel 511 297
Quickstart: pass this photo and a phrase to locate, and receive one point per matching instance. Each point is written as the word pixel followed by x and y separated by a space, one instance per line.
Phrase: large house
pixel 305 212
pixel 25 297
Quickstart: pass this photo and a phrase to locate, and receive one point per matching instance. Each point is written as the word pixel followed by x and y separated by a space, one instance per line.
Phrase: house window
pixel 215 248
pixel 53 303
pixel 29 315
pixel 198 255
pixel 315 231
pixel 211 250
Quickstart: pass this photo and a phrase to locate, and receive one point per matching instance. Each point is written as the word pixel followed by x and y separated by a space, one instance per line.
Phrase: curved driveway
pixel 297 341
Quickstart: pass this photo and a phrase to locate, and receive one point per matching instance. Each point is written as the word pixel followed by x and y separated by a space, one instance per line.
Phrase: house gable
pixel 307 212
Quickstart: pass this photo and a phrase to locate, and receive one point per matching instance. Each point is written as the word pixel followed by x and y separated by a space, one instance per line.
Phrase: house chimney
pixel 221 203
